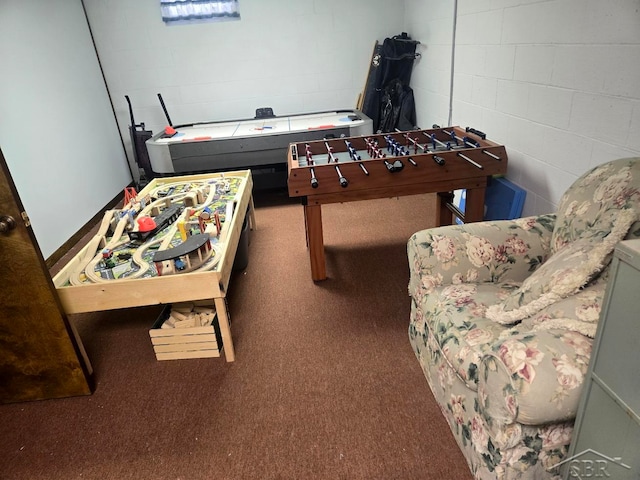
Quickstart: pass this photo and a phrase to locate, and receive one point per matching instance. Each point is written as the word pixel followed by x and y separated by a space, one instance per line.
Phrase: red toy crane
pixel 130 195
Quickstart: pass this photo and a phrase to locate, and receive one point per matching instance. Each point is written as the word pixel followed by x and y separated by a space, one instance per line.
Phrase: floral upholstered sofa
pixel 503 316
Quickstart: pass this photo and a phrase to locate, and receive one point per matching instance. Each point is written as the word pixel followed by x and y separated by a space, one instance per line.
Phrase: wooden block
pixel 180 317
pixel 204 309
pixel 183 311
pixel 169 323
pixel 189 322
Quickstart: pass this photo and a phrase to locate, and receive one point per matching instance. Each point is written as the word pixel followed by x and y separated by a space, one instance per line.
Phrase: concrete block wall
pixel 556 81
pixel 296 57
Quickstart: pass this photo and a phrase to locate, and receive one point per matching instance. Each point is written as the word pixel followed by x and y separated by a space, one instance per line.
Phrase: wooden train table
pixel 174 241
pixel 438 160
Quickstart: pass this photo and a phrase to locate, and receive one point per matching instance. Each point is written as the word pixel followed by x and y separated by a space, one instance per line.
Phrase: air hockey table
pixel 259 144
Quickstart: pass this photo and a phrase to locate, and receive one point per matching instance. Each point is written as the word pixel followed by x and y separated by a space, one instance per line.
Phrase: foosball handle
pixel 482 135
pixel 396 166
pixel 389 165
pixel 344 183
pixel 468 140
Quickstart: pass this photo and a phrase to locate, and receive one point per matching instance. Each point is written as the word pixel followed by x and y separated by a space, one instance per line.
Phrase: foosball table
pixel 437 160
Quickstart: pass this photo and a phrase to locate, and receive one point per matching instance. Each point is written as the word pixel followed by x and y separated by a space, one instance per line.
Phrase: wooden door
pixel 40 356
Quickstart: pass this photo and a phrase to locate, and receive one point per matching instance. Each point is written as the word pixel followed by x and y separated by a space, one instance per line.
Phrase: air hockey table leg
pixel 313 225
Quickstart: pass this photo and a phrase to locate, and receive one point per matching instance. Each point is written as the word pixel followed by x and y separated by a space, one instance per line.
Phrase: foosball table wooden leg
pixel 313 216
pixel 443 213
pixel 474 207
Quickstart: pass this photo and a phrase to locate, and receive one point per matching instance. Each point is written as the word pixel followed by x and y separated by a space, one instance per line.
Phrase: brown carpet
pixel 325 384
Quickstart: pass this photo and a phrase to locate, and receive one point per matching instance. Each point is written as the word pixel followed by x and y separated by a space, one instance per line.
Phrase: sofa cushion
pixel 563 274
pixel 455 316
pixel 592 202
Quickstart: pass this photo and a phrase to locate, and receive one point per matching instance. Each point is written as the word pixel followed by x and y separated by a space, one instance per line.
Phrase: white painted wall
pixel 296 57
pixel 57 130
pixel 556 81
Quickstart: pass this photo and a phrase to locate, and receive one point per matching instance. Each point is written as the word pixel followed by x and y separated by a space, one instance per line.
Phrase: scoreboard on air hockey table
pixel 259 144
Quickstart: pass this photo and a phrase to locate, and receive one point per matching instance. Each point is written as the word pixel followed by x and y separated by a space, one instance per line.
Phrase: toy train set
pixel 174 228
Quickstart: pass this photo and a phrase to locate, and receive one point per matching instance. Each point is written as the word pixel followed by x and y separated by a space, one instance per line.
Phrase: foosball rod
pixel 464 157
pixel 355 157
pixel 475 164
pixel 439 160
pixel 343 181
pixel 416 144
pixel 466 141
pixel 310 163
pixel 448 146
pixel 413 140
pixel 308 155
pixel 433 138
pixel 329 150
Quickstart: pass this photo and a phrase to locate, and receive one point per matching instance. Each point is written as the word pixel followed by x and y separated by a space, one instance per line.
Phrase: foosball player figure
pixel 329 152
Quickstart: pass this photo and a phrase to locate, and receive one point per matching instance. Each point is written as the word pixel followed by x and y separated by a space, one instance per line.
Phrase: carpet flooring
pixel 325 384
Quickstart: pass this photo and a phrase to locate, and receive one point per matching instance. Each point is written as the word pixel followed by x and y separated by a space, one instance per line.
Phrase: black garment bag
pixel 392 62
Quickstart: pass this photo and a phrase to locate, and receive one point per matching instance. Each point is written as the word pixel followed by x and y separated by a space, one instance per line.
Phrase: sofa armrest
pixel 533 378
pixel 498 251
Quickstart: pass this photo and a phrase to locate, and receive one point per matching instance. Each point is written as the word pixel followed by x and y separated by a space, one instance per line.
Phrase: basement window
pixel 175 12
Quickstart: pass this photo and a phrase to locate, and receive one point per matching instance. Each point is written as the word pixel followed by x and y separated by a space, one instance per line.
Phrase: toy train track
pixel 119 251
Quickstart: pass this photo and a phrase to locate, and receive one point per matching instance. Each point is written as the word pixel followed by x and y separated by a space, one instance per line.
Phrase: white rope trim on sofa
pixel 587 329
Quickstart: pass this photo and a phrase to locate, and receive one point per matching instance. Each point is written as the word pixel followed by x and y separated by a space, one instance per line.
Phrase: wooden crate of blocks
pixel 186 330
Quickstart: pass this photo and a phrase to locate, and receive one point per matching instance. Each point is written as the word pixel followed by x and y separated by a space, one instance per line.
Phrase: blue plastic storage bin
pixel 504 200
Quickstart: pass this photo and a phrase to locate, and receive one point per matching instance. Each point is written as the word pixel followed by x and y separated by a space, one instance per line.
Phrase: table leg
pixel 443 214
pixel 225 330
pixel 252 214
pixel 306 226
pixel 313 226
pixel 474 206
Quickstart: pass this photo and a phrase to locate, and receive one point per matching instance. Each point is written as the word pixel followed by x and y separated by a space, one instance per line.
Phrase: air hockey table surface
pixel 259 143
